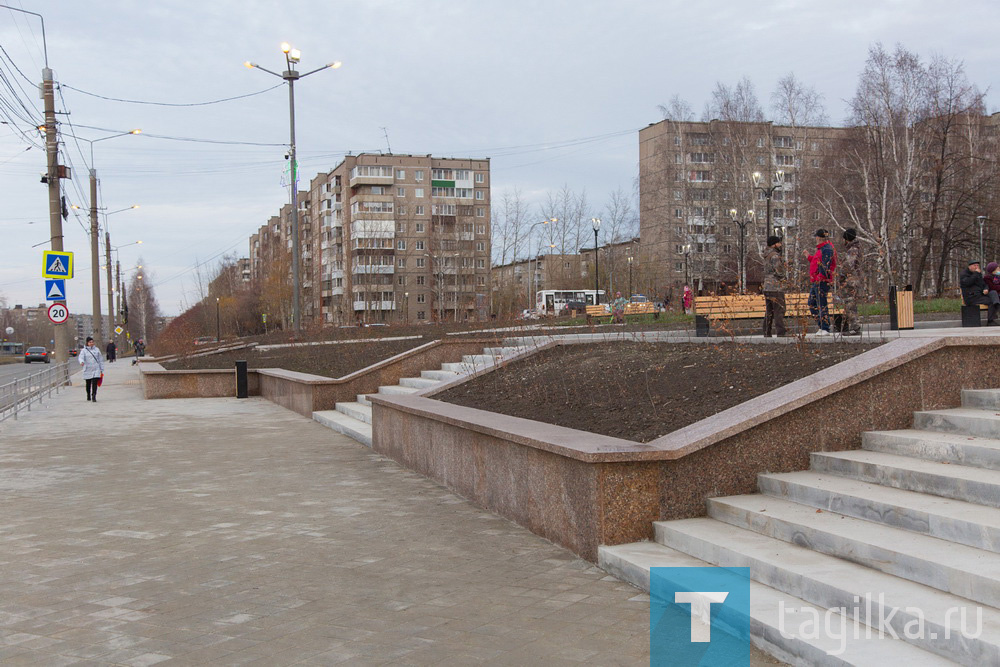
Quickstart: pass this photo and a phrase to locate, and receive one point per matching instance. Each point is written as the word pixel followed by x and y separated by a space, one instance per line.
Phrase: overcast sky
pixel 554 91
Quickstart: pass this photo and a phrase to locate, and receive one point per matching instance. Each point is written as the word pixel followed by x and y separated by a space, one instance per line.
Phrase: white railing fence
pixel 18 395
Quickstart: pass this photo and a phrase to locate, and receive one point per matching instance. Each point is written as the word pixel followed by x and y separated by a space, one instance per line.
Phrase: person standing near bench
pixel 822 265
pixel 851 282
pixel 774 290
pixel 975 292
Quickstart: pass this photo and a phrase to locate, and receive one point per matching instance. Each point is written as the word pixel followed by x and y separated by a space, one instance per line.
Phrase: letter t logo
pixel 701 608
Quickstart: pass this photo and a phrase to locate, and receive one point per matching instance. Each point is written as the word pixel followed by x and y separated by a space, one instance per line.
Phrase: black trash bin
pixel 241 379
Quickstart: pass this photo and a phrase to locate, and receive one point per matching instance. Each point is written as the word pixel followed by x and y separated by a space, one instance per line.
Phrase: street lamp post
pixel 596 222
pixel 291 75
pixel 687 254
pixel 982 253
pixel 630 277
pixel 218 322
pixel 777 182
pixel 742 224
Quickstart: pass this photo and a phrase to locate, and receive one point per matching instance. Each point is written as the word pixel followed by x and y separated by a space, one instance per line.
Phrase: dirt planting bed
pixel 641 391
pixel 332 361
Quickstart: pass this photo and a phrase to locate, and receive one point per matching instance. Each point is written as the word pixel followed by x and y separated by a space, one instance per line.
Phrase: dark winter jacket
pixel 774 270
pixel 972 284
pixel 823 263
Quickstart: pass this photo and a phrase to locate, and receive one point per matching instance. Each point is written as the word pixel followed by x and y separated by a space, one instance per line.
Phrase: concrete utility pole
pixel 95 263
pixel 55 210
pixel 107 257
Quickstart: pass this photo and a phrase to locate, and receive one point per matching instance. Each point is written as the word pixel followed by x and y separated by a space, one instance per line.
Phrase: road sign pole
pixel 55 209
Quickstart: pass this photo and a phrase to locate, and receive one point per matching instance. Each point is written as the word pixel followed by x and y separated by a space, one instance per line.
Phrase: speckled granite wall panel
pixel 158 383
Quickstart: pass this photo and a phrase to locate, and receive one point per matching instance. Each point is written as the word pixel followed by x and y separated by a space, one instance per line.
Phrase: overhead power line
pixel 172 104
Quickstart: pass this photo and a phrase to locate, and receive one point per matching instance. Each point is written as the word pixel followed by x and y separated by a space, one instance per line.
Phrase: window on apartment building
pixel 814 163
pixel 480 280
pixel 783 142
pixel 400 174
pixel 761 161
pixel 727 230
pixel 420 262
pixel 678 266
pixel 814 146
pixel 420 210
pixel 679 229
pixel 400 192
pixel 401 245
pixel 420 227
pixel 726 248
pixel 377 190
pixel 418 192
pixel 480 229
pixel 678 175
pixel 760 142
pixel 418 175
pixel 701 194
pixel 679 249
pixel 481 246
pixel 702 158
pixel 421 298
pixel 677 194
pixel 815 215
pixel 480 195
pixel 401 210
pixel 678 158
pixel 677 141
pixel 701 211
pixel 784 160
pixel 420 245
pixel 480 177
pixel 400 263
pixel 480 211
pixel 420 280
pixel 463 175
pixel 700 176
pixel 400 227
pixel 480 263
pixel 401 280
pixel 699 139
pixel 678 213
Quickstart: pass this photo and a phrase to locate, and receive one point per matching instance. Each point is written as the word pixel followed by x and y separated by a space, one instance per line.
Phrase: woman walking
pixel 93 367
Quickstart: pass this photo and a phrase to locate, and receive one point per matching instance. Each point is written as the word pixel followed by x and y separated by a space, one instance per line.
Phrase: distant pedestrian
pixel 851 282
pixel 93 368
pixel 822 265
pixel 112 352
pixel 975 292
pixel 618 309
pixel 140 348
pixel 687 299
pixel 774 287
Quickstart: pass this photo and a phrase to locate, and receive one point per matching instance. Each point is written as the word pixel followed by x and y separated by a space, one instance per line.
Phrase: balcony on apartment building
pixel 371 175
pixel 359 269
pixel 374 305
pixel 373 229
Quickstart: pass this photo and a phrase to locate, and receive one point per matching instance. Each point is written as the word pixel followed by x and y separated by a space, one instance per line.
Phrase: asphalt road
pixel 10 372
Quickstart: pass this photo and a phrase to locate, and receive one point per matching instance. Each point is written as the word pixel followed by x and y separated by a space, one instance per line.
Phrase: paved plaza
pixel 220 531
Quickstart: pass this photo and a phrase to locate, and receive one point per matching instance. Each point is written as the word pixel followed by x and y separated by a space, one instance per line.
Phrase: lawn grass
pixel 942 305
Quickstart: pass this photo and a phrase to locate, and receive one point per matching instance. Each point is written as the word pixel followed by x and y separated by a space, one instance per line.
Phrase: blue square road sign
pixel 55 290
pixel 57 264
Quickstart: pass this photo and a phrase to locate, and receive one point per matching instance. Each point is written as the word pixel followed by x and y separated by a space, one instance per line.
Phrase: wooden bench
pixel 647 308
pixel 751 307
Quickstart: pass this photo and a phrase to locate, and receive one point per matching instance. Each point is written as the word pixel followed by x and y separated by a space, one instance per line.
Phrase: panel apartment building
pixel 691 174
pixel 396 238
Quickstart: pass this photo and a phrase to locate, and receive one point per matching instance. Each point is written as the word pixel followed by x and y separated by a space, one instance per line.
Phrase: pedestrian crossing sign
pixel 57 264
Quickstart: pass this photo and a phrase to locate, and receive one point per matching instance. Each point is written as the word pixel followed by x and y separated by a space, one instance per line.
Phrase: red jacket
pixel 823 263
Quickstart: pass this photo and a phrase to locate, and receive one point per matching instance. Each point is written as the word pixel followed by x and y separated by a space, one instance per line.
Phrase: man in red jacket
pixel 822 265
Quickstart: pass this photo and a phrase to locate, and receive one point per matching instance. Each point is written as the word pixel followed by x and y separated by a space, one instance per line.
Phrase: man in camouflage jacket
pixel 851 282
pixel 774 287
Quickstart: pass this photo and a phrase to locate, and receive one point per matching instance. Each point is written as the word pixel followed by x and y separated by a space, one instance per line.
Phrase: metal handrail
pixel 17 396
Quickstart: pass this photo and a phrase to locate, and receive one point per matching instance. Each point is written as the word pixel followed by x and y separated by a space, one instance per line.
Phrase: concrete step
pixel 458 368
pixel 950 567
pixel 967 421
pixel 772 616
pixel 418 383
pixel 479 360
pixel 986 399
pixel 876 598
pixel 359 411
pixel 974 485
pixel 964 523
pixel 957 448
pixel 349 426
pixel 363 400
pixel 505 352
pixel 441 376
pixel 396 389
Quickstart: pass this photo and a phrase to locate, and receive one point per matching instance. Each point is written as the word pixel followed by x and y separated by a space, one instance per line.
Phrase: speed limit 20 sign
pixel 58 313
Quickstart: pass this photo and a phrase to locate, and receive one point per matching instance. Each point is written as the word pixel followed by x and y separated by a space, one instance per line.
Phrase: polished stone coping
pixel 595 448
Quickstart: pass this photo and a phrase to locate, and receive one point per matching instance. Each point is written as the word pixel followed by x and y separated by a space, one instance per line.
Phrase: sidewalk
pixel 220 531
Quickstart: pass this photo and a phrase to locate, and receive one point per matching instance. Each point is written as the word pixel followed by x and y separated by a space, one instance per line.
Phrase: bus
pixel 554 302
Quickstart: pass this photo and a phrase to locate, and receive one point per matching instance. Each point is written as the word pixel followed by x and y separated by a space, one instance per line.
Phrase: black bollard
pixel 241 379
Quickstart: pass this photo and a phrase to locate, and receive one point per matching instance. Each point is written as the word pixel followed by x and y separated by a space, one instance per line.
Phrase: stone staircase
pixel 354 418
pixel 913 517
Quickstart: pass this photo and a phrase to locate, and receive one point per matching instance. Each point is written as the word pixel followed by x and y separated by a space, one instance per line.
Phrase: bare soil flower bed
pixel 641 391
pixel 332 361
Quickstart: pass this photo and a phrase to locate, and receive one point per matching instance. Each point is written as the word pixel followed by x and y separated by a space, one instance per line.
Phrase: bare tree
pixel 737 103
